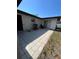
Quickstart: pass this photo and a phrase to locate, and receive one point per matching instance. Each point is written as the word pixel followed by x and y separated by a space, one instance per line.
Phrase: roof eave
pixel 25 13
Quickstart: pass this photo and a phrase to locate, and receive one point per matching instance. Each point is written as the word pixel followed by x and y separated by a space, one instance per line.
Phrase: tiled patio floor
pixel 31 44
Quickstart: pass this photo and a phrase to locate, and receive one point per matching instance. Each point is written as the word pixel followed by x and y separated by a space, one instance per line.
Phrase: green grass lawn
pixel 52 50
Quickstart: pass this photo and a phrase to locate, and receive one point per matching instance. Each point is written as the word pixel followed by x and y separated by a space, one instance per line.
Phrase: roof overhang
pixel 25 13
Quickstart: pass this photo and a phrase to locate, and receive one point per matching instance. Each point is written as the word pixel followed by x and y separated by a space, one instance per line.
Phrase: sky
pixel 41 8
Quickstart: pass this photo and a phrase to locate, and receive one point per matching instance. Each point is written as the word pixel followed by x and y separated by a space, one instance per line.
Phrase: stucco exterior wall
pixel 51 24
pixel 27 23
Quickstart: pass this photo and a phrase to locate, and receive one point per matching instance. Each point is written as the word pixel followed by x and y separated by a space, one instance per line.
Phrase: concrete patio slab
pixel 32 43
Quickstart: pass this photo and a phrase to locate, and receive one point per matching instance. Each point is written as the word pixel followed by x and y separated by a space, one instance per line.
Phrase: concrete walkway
pixel 32 43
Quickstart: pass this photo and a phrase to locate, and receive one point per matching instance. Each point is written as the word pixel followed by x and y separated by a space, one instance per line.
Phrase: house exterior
pixel 51 22
pixel 25 21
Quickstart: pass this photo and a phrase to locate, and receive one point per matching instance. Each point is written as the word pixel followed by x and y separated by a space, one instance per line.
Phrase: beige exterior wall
pixel 27 24
pixel 26 20
pixel 51 24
